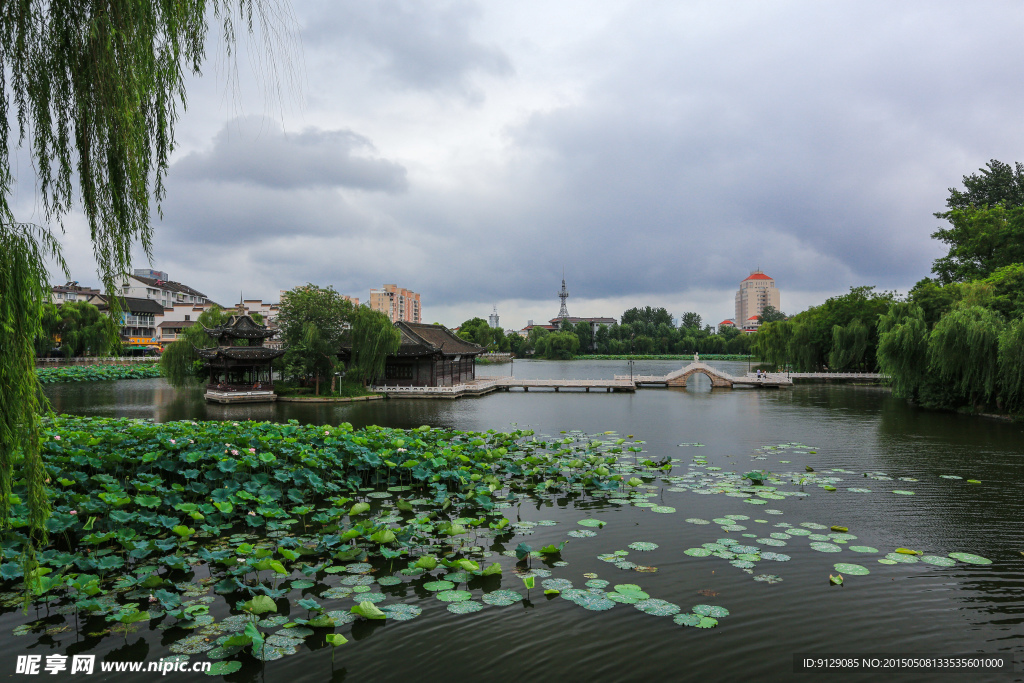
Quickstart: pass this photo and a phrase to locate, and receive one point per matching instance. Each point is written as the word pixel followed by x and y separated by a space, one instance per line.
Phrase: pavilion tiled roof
pixel 421 339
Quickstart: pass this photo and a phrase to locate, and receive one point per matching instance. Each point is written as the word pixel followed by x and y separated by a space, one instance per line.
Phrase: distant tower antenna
pixel 563 312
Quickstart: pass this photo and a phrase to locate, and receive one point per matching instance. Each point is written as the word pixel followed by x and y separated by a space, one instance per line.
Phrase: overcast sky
pixel 657 151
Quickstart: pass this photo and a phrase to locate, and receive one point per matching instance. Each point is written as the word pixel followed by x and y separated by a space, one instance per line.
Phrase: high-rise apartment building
pixel 396 303
pixel 755 292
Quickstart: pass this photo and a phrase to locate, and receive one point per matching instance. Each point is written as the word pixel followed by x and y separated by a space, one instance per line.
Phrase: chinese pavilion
pixel 429 356
pixel 240 372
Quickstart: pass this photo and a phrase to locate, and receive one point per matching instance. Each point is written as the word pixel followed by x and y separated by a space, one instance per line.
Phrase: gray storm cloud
pixel 257 151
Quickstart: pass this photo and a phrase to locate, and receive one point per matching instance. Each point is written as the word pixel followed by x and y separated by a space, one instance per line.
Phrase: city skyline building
pixel 397 303
pixel 756 292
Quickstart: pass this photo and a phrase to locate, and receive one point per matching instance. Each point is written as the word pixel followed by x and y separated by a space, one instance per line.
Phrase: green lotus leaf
pixel 970 558
pixel 368 610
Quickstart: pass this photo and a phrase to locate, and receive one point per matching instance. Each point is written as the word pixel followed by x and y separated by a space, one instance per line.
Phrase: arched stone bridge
pixel 718 378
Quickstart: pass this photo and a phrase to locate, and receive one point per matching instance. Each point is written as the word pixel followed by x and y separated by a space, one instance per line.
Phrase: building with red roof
pixel 755 293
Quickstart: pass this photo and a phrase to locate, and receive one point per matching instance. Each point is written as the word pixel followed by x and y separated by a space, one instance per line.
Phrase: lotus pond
pixel 670 563
pixel 97 373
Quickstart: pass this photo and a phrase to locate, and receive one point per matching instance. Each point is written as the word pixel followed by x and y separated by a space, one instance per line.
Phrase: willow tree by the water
pixel 93 91
pixel 374 338
pixel 1011 366
pixel 963 351
pixel 903 348
pixel 849 342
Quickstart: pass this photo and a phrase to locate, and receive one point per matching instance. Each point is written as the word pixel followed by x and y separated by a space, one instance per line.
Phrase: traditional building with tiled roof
pixel 429 356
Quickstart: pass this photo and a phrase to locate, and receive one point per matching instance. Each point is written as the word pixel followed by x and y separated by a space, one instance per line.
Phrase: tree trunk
pixel 317 385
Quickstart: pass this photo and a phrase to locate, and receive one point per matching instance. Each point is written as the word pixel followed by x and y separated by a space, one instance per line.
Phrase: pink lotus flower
pixel 401 450
pixel 152 598
pixel 173 441
pixel 191 441
pixel 73 512
pixel 251 513
pixel 234 452
pixel 57 438
pixel 252 450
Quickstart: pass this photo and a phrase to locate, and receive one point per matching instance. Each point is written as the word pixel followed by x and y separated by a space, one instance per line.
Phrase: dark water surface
pixel 896 609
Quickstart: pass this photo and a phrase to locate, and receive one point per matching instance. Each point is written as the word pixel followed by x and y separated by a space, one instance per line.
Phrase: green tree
pixel 690 321
pixel 561 345
pixel 903 348
pixel 373 338
pixel 998 183
pixel 81 328
pixel 647 315
pixel 94 89
pixel 313 322
pixel 770 314
pixel 981 240
pixel 477 331
pixel 934 298
pixel 585 335
pixel 849 343
pixel 963 350
pixel 180 363
pixel 1011 366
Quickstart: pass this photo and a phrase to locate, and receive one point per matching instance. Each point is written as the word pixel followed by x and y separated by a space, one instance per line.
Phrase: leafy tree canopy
pixel 980 240
pixel 313 321
pixel 648 316
pixel 690 320
pixel 997 183
pixel 770 314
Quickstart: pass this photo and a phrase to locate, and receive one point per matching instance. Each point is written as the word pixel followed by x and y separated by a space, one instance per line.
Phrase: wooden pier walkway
pixel 628 383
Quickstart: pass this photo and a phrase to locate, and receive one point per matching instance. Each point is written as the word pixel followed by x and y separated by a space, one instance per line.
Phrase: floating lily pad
pixel 358 568
pixel 710 611
pixel 643 546
pixel 851 569
pixel 903 492
pixel 191 645
pixel 465 607
pixel 885 560
pixel 778 557
pixel 582 533
pixel 863 549
pixel 823 547
pixel 223 668
pixel 435 586
pixel 556 584
pixel 401 612
pixel 624 598
pixel 938 561
pixel 658 608
pixel 454 596
pixel 970 558
pixel 697 520
pixel 502 598
pixel 687 619
pixel 302 584
pixel 664 509
pixel 901 558
pixel 707 622
pixel 768 578
pixel 591 523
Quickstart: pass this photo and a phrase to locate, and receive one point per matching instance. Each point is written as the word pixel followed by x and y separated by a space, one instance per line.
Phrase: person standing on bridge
pixel 696 357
